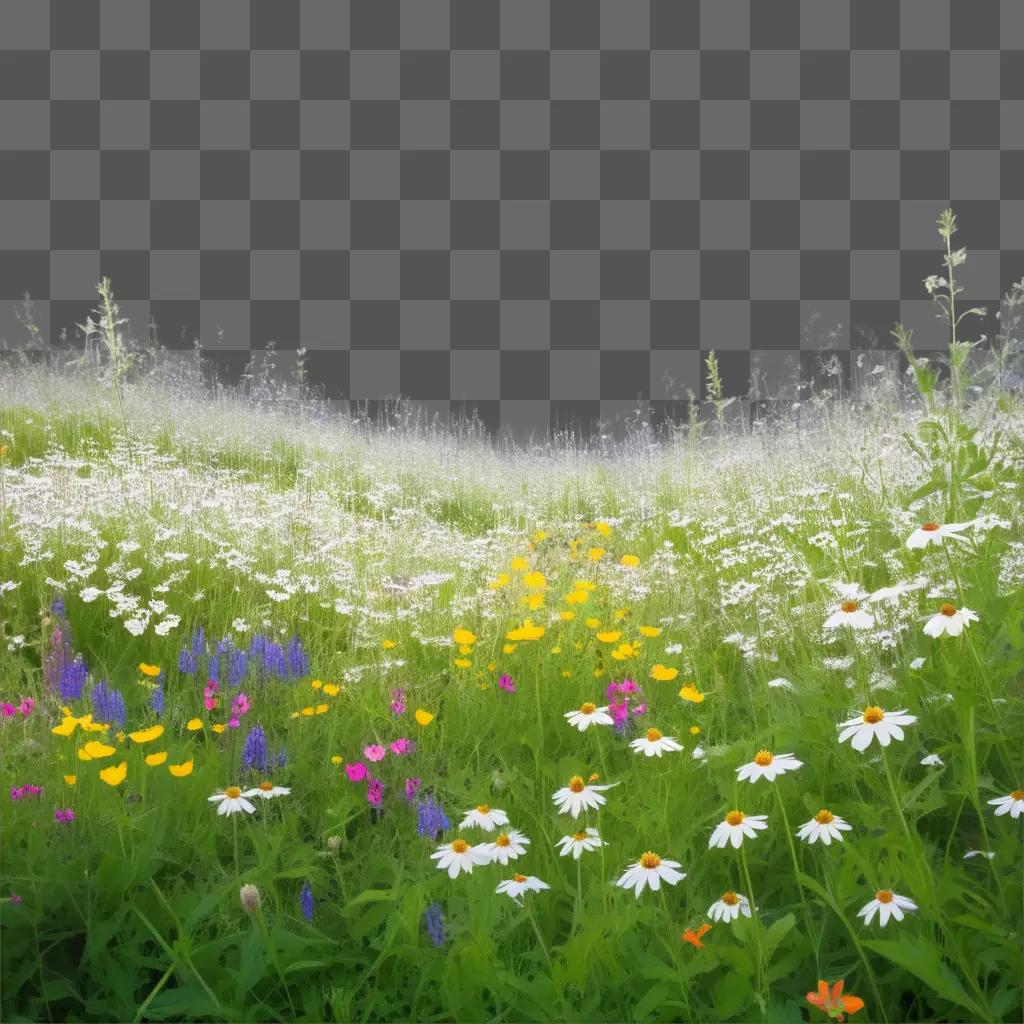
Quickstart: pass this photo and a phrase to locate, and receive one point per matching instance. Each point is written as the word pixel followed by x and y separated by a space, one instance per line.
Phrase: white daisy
pixel 267 790
pixel 578 796
pixel 583 841
pixel 589 714
pixel 849 613
pixel 934 533
pixel 1011 804
pixel 887 904
pixel 231 801
pixel 482 816
pixel 950 620
pixel 825 826
pixel 654 743
pixel 650 869
pixel 518 884
pixel 508 846
pixel 729 907
pixel 886 725
pixel 458 856
pixel 768 766
pixel 735 826
pixel 892 593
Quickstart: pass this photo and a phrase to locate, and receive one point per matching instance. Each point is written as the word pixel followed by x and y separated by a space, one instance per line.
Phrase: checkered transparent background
pixel 548 210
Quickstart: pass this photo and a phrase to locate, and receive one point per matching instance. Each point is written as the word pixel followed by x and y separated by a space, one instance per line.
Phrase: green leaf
pixel 923 961
pixel 778 931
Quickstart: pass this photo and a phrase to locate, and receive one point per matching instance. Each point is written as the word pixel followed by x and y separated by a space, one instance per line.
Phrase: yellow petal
pixel 115 776
pixel 663 673
pixel 519 564
pixel 149 670
pixel 308 712
pixel 534 580
pixel 66 728
pixel 603 528
pixel 194 724
pixel 691 693
pixel 464 636
pixel 387 644
pixel 630 560
pixel 609 637
pixel 83 756
pixel 424 717
pixel 694 730
pixel 336 759
pixel 95 749
pixel 218 728
pixel 463 662
pixel 317 684
pixel 321 709
pixel 179 771
pixel 147 735
pixel 71 779
pixel 332 689
pixel 508 648
pixel 595 554
pixel 154 759
pixel 567 616
pixel 650 630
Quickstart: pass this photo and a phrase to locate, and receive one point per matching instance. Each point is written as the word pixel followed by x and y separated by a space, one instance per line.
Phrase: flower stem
pixel 540 938
pixel 798 871
pixel 756 920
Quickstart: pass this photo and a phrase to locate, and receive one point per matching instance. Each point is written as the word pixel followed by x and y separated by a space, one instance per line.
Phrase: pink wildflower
pixel 374 752
pixel 66 816
pixel 27 706
pixel 401 746
pixel 505 683
pixel 398 702
pixel 15 898
pixel 356 772
pixel 412 787
pixel 8 710
pixel 375 792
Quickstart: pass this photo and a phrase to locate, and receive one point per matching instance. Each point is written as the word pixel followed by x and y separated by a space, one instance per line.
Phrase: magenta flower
pixel 356 772
pixel 375 792
pixel 8 710
pixel 240 705
pixel 15 898
pixel 398 702
pixel 640 709
pixel 412 787
pixel 374 752
pixel 66 816
pixel 401 746
pixel 505 683
pixel 27 706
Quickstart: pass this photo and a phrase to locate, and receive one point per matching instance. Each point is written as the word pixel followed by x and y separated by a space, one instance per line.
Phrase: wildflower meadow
pixel 305 718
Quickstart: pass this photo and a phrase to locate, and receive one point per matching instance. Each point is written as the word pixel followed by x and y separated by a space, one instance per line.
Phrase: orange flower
pixel 834 1003
pixel 694 937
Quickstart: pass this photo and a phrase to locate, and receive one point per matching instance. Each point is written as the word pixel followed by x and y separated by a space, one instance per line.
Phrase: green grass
pixel 743 542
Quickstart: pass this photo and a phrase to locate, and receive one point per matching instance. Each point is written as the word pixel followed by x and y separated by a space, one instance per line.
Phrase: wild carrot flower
pixel 768 766
pixel 650 870
pixel 875 723
pixel 950 620
pixel 886 904
pixel 834 1003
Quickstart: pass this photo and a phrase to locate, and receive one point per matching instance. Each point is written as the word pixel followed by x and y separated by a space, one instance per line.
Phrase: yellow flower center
pixel 576 784
pixel 947 609
pixel 734 818
pixel 849 606
pixel 650 860
pixel 266 786
pixel 588 708
pixel 873 715
pixel 884 896
pixel 730 898
pixel 580 836
pixel 232 792
pixel 1017 794
pixel 930 527
pixel 519 878
pixel 503 840
pixel 482 808
pixel 763 757
pixel 460 846
pixel 653 735
pixel 824 817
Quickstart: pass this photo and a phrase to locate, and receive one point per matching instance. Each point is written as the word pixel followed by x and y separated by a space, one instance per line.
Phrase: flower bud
pixel 250 897
pixel 334 843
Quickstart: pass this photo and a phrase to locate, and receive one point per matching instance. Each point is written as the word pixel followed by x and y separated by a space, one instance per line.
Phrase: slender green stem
pixel 798 871
pixel 674 952
pixel 756 921
pixel 536 931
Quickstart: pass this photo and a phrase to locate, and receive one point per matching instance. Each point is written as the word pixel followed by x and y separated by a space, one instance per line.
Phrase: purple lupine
pixel 108 705
pixel 198 641
pixel 187 664
pixel 238 666
pixel 254 753
pixel 72 679
pixel 434 924
pixel 431 820
pixel 298 660
pixel 306 899
pixel 156 698
pixel 60 653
